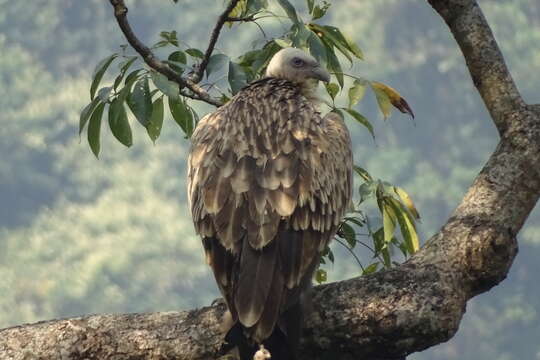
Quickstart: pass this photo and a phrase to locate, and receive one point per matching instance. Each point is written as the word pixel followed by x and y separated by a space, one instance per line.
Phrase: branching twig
pixel 241 19
pixel 351 252
pixel 120 12
pixel 213 39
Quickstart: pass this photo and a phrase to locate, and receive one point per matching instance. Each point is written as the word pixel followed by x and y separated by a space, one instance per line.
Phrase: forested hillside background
pixel 80 235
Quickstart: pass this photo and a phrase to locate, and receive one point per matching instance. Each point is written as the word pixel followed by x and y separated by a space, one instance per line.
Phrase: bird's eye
pixel 297 62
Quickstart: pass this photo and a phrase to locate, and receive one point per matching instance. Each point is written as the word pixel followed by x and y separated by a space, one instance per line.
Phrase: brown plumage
pixel 269 181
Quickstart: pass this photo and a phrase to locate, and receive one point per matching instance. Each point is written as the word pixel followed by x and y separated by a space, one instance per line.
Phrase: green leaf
pixel 389 222
pixel 237 77
pixel 361 119
pixel 329 36
pixel 284 43
pixel 224 98
pixel 94 129
pixel 370 269
pixel 160 44
pixel 381 247
pixel 153 128
pixel 310 4
pixel 170 37
pixel 321 276
pixel 331 256
pixel 389 216
pixel 173 39
pixel 319 12
pixel 402 247
pixel 178 56
pixel 317 49
pixel 194 119
pixel 195 53
pixel 177 61
pixel 332 90
pixel 356 92
pixel 348 234
pixel 333 64
pixel 250 57
pixel 262 59
pixel 181 115
pixel 215 63
pixel 385 252
pixel 256 5
pixel 363 173
pixel 289 10
pixel 123 69
pixel 118 122
pixel 86 112
pixel 164 35
pixel 99 72
pixel 385 105
pixel 126 90
pixel 132 77
pixel 300 35
pixel 345 41
pixel 103 93
pixel 366 190
pixel 378 240
pixel 354 220
pixel 140 101
pixel 166 86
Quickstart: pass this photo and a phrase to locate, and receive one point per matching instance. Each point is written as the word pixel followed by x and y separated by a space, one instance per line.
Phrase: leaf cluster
pixel 144 91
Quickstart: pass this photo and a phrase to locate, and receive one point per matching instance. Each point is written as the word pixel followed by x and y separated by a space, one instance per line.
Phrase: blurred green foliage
pixel 80 235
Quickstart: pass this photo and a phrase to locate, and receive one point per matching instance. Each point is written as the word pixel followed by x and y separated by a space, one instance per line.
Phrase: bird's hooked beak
pixel 320 73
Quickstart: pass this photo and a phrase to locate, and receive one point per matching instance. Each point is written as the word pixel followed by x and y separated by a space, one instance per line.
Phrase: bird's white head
pixel 296 66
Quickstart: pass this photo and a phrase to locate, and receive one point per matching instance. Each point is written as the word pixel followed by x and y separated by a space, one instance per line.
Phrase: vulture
pixel 269 180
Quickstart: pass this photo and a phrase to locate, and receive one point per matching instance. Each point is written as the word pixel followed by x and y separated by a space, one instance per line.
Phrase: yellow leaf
pixel 406 225
pixel 237 11
pixel 407 201
pixel 411 234
pixel 389 222
pixel 395 98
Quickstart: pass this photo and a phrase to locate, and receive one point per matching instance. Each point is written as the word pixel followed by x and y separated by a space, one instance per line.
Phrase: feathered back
pixel 269 181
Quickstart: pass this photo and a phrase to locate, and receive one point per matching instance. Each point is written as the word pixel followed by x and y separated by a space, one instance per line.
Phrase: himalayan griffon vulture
pixel 269 180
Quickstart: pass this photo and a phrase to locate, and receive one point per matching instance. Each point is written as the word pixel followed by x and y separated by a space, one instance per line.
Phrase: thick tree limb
pixel 224 17
pixel 382 316
pixel 120 12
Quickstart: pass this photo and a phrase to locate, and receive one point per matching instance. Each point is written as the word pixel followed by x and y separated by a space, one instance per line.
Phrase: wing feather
pixel 257 268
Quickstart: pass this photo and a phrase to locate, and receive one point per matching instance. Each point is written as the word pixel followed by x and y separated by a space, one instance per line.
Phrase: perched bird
pixel 269 180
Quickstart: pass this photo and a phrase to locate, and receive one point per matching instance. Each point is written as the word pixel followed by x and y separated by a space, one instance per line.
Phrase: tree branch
pixel 242 19
pixel 486 64
pixel 386 315
pixel 224 17
pixel 120 13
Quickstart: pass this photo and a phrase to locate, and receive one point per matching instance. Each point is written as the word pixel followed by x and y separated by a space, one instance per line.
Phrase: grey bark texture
pixel 386 315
